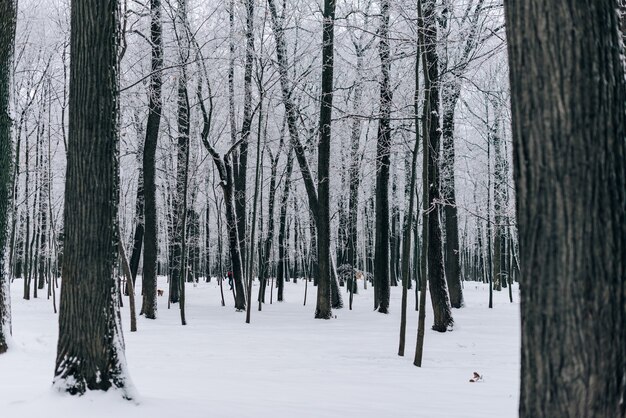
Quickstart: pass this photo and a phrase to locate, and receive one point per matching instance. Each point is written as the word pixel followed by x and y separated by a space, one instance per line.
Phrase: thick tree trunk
pixel 90 352
pixel 570 176
pixel 381 254
pixel 8 16
pixel 436 277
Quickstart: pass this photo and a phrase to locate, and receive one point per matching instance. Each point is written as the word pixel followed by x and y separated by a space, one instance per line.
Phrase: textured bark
pixel 323 309
pixel 383 149
pixel 436 277
pixel 8 16
pixel 151 245
pixel 90 351
pixel 568 97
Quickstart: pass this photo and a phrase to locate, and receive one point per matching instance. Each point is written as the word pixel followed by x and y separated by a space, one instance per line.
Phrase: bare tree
pixel 436 276
pixel 150 252
pixel 383 161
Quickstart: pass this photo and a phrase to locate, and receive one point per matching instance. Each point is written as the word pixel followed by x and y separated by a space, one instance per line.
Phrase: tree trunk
pixel 280 274
pixel 8 16
pixel 408 223
pixel 436 277
pixel 151 245
pixel 139 227
pixel 451 246
pixel 381 254
pixel 90 351
pixel 323 309
pixel 129 280
pixel 183 126
pixel 354 178
pixel 570 178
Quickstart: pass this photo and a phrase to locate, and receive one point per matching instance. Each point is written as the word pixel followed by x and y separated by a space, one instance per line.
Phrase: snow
pixel 284 364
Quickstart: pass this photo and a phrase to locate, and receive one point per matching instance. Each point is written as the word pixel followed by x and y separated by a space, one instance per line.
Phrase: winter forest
pixel 313 208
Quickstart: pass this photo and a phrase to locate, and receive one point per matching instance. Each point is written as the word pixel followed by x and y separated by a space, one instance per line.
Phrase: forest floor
pixel 285 364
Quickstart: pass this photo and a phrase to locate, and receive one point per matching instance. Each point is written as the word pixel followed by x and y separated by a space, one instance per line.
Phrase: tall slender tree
pixel 383 161
pixel 182 153
pixel 151 245
pixel 90 351
pixel 323 309
pixel 8 16
pixel 569 130
pixel 240 156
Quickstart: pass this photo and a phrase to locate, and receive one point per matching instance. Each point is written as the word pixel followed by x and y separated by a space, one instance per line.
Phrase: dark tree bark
pixel 568 97
pixel 8 16
pixel 323 309
pixel 381 254
pixel 139 226
pixel 90 351
pixel 151 245
pixel 394 239
pixel 426 115
pixel 282 230
pixel 450 211
pixel 436 277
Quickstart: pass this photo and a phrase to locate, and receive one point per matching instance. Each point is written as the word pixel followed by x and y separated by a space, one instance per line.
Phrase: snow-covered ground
pixel 285 364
